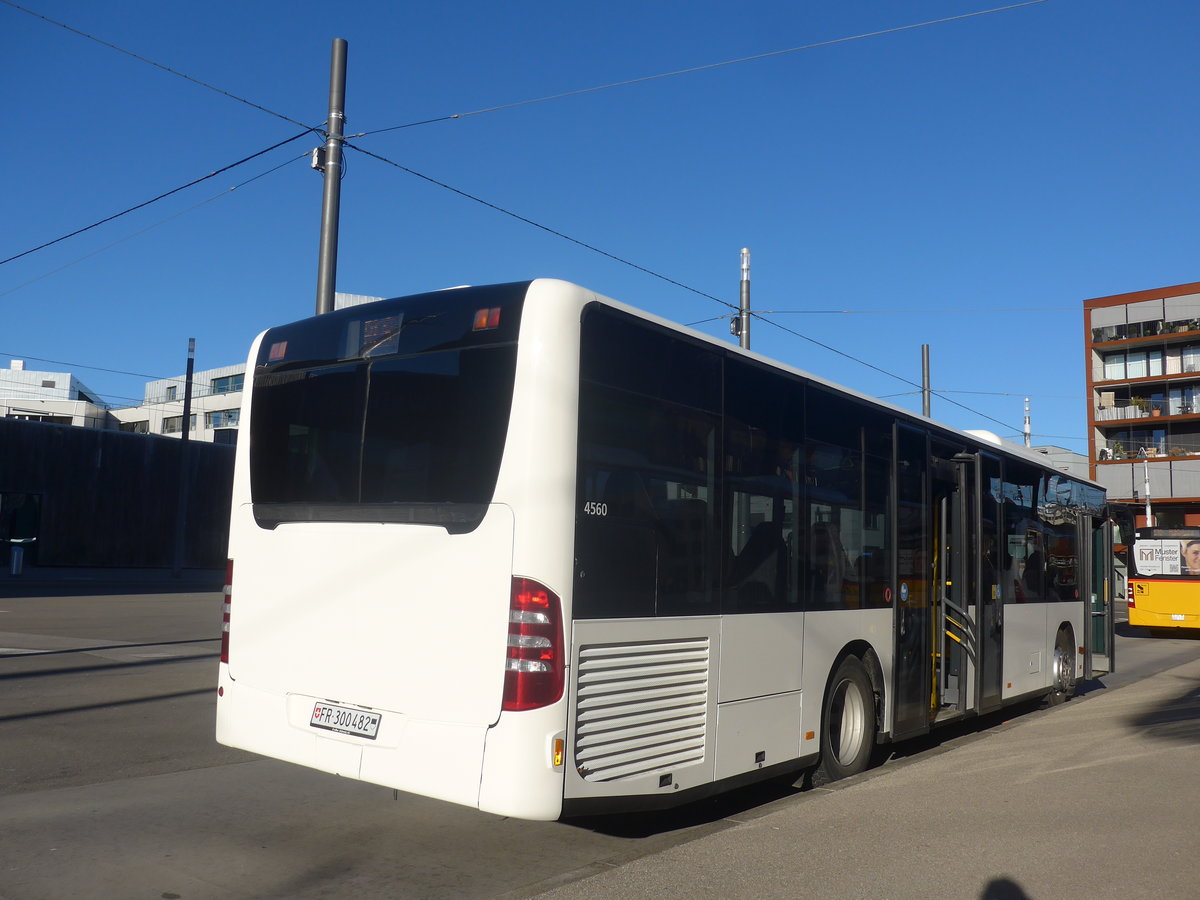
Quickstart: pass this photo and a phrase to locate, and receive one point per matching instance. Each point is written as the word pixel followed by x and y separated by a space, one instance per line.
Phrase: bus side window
pixel 616 547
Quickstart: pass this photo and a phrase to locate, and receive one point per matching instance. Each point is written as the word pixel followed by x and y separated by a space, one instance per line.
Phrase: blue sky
pixel 966 184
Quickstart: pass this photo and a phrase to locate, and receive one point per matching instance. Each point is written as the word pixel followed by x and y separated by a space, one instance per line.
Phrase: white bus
pixel 530 550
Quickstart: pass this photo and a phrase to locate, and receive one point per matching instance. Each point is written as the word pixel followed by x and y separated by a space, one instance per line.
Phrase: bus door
pixel 1098 639
pixel 913 624
pixel 956 638
pixel 990 562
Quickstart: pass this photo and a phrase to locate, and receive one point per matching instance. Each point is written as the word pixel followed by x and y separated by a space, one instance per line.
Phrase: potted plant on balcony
pixel 1141 404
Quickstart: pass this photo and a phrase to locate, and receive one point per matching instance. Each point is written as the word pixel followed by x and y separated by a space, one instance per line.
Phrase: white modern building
pixel 61 398
pixel 215 412
pixel 57 397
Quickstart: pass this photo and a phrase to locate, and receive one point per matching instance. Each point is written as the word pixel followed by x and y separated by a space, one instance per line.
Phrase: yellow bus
pixel 1164 581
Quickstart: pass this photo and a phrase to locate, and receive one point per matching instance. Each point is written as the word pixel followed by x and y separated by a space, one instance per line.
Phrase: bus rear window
pixel 409 439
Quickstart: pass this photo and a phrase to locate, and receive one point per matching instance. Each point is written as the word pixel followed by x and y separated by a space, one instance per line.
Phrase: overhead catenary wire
pixel 163 196
pixel 157 65
pixel 882 371
pixel 159 223
pixel 539 225
pixel 702 68
pixel 560 234
pixel 897 310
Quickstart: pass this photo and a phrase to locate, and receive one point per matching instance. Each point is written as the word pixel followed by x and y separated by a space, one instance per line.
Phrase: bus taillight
pixel 225 611
pixel 533 671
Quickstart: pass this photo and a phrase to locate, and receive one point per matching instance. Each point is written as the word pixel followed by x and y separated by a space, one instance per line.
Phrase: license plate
pixel 345 720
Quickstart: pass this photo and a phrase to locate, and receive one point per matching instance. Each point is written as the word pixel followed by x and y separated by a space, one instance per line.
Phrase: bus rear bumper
pixel 1140 618
pixel 434 759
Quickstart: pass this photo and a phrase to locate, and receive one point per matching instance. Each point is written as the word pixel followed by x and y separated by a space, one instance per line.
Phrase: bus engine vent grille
pixel 642 708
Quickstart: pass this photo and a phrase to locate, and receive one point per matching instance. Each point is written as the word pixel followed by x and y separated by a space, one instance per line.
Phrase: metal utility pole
pixel 1028 429
pixel 925 390
pixel 1146 485
pixel 331 166
pixel 741 325
pixel 182 504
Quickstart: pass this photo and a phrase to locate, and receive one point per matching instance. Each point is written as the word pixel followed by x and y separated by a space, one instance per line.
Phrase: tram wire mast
pixel 328 161
pixel 1028 427
pixel 925 389
pixel 740 326
pixel 181 504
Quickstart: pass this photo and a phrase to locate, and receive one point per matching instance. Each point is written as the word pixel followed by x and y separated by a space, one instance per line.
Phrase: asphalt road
pixel 113 786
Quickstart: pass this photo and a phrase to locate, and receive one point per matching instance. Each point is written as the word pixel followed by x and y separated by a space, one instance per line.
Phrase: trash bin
pixel 16 554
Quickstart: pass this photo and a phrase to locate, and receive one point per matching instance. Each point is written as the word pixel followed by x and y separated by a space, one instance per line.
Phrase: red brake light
pixel 533 671
pixel 225 611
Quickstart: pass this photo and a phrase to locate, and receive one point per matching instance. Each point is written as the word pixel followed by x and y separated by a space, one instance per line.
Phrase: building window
pixel 36 417
pixel 174 424
pixel 1114 366
pixel 227 384
pixel 139 427
pixel 222 418
pixel 1190 358
pixel 171 392
pixel 1136 364
pixel 48 384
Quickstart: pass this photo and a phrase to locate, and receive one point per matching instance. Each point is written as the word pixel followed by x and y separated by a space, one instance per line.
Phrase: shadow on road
pixel 734 803
pixel 1177 719
pixel 691 815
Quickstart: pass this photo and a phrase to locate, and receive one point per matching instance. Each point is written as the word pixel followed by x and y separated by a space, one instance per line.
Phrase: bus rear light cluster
pixel 486 319
pixel 225 611
pixel 533 669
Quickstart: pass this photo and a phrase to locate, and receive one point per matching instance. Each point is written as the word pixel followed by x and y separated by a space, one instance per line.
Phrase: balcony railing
pixel 1146 410
pixel 1118 450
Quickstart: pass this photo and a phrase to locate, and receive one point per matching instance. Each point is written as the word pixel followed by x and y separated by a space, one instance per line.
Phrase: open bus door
pixel 1099 650
pixel 949 610
pixel 968 606
pixel 956 639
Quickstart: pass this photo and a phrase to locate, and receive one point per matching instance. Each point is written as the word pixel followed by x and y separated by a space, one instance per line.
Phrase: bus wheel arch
pixel 1062 671
pixel 850 714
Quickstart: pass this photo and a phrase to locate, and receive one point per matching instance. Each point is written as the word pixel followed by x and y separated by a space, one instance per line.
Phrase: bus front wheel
pixel 847 723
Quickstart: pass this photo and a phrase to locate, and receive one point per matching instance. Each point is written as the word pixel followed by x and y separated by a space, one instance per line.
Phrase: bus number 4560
pixel 592 508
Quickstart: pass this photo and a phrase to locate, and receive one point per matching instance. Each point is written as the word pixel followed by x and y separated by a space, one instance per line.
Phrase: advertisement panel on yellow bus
pixel 1164 587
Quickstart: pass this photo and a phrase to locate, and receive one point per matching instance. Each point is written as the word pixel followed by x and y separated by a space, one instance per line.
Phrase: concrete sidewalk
pixel 1098 798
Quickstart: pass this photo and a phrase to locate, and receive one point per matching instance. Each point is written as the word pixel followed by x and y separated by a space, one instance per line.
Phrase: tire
pixel 847 723
pixel 1063 669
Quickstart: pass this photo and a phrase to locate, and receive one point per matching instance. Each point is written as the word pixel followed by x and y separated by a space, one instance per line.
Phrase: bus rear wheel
pixel 847 723
pixel 1063 673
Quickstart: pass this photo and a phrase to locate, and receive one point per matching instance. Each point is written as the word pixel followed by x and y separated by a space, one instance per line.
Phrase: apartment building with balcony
pixel 1143 387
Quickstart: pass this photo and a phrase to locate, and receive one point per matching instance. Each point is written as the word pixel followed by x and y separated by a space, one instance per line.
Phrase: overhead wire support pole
pixel 741 325
pixel 332 168
pixel 181 505
pixel 926 406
